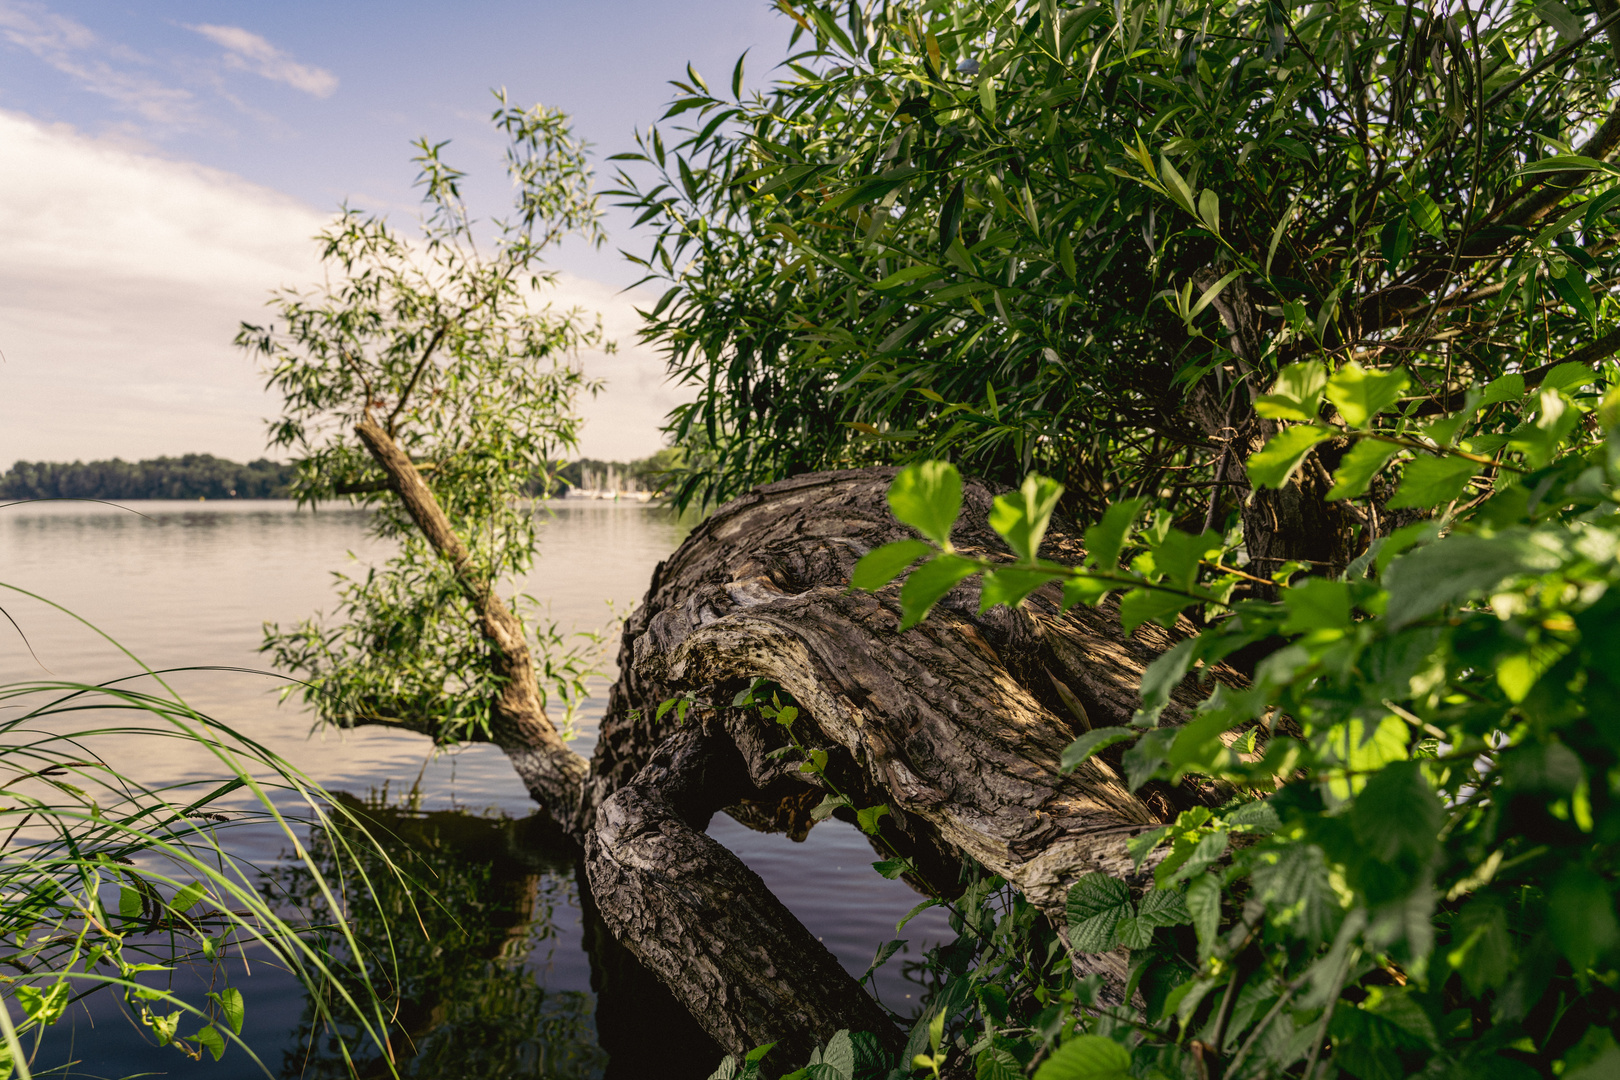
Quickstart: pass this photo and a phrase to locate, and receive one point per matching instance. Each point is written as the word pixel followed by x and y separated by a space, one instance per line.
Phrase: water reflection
pixel 476 917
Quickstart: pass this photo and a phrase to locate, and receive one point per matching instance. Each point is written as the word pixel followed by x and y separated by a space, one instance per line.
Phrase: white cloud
pixel 247 51
pixel 75 51
pixel 123 277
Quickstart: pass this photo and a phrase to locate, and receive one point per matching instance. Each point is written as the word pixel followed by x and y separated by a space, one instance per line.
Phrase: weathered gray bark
pixel 957 725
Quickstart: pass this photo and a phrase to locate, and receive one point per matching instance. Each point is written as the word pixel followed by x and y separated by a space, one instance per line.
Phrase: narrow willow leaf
pixel 1273 466
pixel 1425 214
pixel 1081 750
pixel 950 216
pixel 1209 210
pixel 882 565
pixel 1356 470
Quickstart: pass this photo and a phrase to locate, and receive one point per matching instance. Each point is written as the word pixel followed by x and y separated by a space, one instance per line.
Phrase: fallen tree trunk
pixel 957 725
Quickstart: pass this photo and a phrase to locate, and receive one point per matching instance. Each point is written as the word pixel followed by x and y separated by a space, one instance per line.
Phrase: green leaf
pixel 1397 815
pixel 1009 586
pixel 187 898
pixel 1275 463
pixel 1425 214
pixel 1293 882
pixel 823 809
pixel 882 565
pixel 1568 27
pixel 1022 518
pixel 129 901
pixel 1429 481
pixel 891 869
pixel 43 1006
pixel 1297 394
pixel 928 584
pixel 1087 1057
pixel 1079 751
pixel 1204 907
pixel 1580 914
pixel 1509 387
pixel 914 912
pixel 1360 395
pixel 868 818
pixel 1567 377
pixel 840 1055
pixel 1316 604
pixel 900 277
pixel 1096 904
pixel 1459 568
pixel 1178 554
pixel 230 1007
pixel 1358 467
pixel 995 1063
pixel 1209 210
pixel 737 76
pixel 1151 605
pixel 928 497
pixel 212 1040
pixel 950 217
pixel 1105 539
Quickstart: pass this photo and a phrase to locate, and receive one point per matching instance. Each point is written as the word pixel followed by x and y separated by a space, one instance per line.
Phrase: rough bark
pixel 957 725
pixel 553 774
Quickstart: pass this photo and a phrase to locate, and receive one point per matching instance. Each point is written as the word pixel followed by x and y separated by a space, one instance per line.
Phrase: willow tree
pixel 1084 237
pixel 426 380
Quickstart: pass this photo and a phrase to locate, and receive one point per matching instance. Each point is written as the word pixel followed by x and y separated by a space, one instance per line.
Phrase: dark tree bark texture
pixel 957 725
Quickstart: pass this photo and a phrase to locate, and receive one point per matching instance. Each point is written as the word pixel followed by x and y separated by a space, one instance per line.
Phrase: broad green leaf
pixel 1079 751
pixel 1297 394
pixel 1087 1057
pixel 994 1063
pixel 129 901
pixel 1275 463
pixel 1204 907
pixel 1165 673
pixel 1580 914
pixel 212 1040
pixel 928 497
pixel 1178 555
pixel 187 898
pixel 1009 586
pixel 43 1006
pixel 1429 481
pixel 1360 395
pixel 1568 377
pixel 891 869
pixel 1096 904
pixel 1397 815
pixel 839 1056
pixel 928 584
pixel 1317 604
pixel 1151 605
pixel 1163 907
pixel 868 818
pixel 1458 568
pixel 1085 590
pixel 1540 439
pixel 1509 387
pixel 1293 883
pixel 882 565
pixel 230 1007
pixel 1105 539
pixel 1358 467
pixel 824 809
pixel 1022 517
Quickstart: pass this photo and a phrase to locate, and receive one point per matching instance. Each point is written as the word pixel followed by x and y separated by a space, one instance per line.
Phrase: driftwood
pixel 956 725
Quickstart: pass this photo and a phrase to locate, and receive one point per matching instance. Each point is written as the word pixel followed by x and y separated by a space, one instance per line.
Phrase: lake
pixel 515 976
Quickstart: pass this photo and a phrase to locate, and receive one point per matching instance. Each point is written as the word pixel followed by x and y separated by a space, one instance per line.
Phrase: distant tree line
pixel 189 476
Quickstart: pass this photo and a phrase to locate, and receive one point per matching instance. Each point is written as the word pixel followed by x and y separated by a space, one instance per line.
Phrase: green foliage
pixel 189 476
pixel 1079 238
pixel 113 884
pixel 1417 869
pixel 442 342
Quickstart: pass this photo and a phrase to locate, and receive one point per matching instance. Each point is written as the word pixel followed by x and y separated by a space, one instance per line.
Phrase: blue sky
pixel 164 157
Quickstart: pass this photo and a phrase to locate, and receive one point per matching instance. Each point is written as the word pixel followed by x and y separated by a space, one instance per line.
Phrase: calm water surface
pixel 519 978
